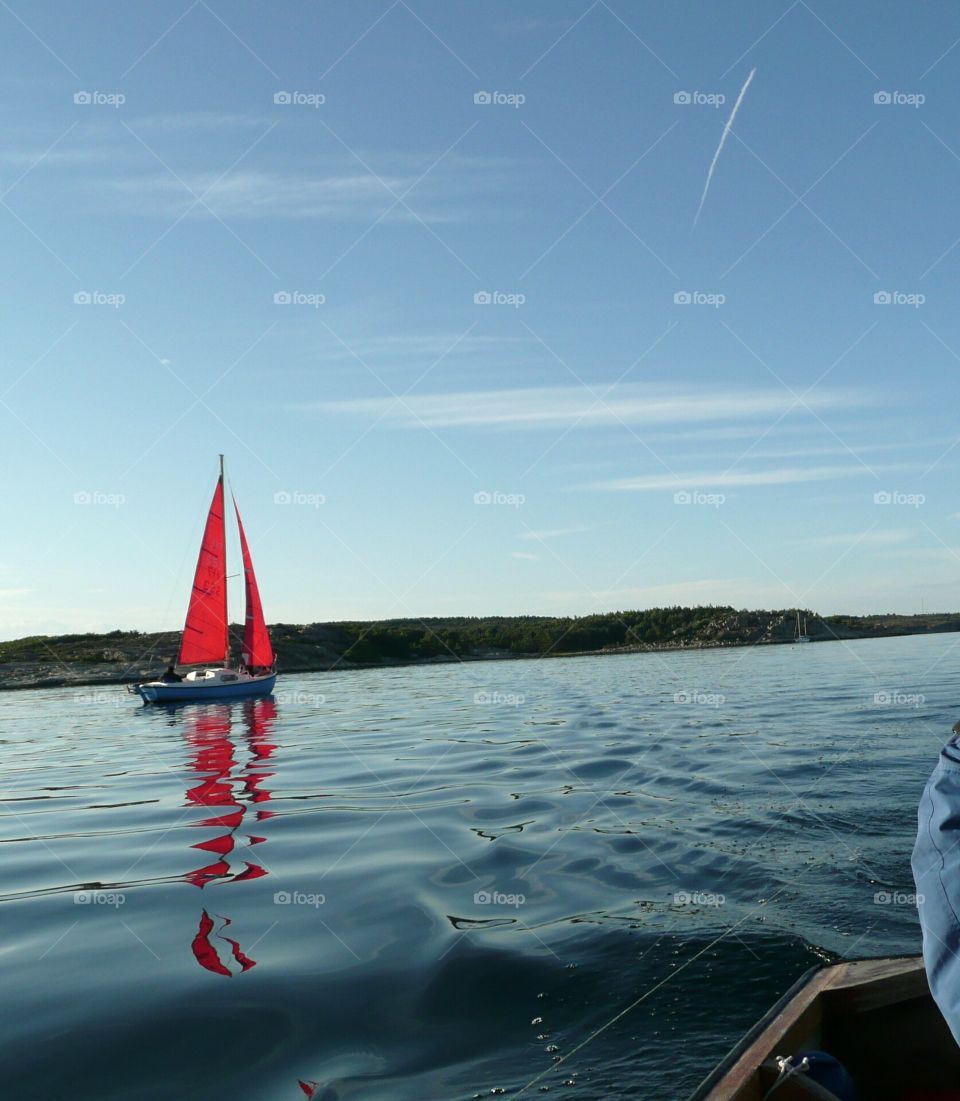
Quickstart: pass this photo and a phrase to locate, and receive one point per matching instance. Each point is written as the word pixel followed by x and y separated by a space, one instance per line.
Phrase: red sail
pixel 205 632
pixel 257 650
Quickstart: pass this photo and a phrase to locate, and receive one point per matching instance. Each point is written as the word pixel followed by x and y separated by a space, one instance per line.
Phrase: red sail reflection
pixel 231 788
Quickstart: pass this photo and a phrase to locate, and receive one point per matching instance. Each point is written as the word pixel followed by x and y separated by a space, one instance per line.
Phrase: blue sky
pixel 472 357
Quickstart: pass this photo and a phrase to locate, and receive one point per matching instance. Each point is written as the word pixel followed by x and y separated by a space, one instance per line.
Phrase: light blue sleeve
pixel 936 872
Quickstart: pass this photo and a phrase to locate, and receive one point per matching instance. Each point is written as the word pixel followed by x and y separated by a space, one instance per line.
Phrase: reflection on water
pixel 227 783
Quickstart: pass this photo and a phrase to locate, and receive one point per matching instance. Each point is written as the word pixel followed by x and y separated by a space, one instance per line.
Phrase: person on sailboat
pixel 171 676
pixel 936 872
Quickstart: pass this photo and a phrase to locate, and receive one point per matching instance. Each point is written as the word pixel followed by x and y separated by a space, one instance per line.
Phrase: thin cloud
pixel 525 556
pixel 867 538
pixel 555 533
pixel 576 406
pixel 723 138
pixel 721 479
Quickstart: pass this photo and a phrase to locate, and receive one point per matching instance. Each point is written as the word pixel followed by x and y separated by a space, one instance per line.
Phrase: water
pixel 373 885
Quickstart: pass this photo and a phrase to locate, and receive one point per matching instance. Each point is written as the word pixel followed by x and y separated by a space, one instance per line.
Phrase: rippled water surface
pixel 442 881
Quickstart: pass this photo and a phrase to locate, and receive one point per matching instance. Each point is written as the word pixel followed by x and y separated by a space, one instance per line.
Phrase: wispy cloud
pixel 721 479
pixel 555 533
pixel 524 555
pixel 569 406
pixel 886 538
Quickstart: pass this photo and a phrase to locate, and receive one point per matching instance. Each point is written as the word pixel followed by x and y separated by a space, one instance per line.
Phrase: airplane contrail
pixel 723 138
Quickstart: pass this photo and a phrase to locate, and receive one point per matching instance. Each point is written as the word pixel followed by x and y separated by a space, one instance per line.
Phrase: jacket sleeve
pixel 936 872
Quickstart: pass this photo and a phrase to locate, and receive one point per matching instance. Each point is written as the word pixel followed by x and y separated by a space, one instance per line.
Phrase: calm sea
pixel 451 881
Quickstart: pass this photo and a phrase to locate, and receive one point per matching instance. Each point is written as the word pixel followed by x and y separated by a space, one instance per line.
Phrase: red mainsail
pixel 205 631
pixel 257 650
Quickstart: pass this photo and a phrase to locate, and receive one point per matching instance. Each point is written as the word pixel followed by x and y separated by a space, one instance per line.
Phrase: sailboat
pixel 205 644
pixel 801 635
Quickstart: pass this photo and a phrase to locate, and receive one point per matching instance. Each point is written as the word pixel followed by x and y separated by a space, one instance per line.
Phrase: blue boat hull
pixel 183 691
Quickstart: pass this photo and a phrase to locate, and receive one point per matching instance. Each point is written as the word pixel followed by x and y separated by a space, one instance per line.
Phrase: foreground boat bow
pixel 877 1017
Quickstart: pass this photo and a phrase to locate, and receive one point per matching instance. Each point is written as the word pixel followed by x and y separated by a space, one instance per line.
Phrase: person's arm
pixel 936 871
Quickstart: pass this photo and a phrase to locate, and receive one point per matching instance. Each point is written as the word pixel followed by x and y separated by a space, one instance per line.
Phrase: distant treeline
pixel 412 639
pixel 324 645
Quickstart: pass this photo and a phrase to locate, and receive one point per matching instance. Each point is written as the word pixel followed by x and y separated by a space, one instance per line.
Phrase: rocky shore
pixel 122 657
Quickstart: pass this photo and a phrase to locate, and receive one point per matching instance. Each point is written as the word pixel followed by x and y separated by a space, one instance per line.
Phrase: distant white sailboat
pixel 801 634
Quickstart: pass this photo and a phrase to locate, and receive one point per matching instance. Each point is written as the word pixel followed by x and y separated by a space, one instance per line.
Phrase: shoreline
pixel 24 676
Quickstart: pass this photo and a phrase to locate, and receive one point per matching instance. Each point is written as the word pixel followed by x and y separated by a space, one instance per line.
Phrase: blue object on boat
pixel 829 1072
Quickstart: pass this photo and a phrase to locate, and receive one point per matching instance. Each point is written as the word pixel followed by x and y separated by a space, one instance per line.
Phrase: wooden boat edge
pixel 852 985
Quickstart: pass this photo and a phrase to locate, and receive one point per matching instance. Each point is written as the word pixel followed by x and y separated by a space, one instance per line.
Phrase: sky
pixel 432 276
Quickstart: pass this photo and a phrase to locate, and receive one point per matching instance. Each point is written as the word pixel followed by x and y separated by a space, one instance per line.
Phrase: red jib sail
pixel 205 631
pixel 257 650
